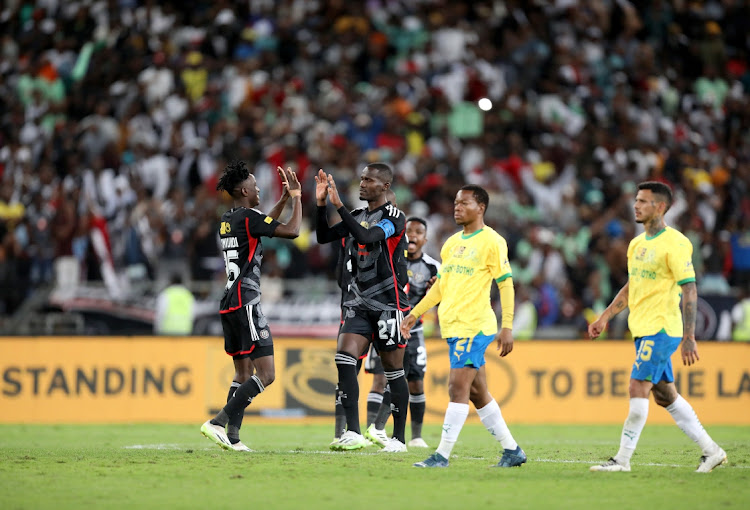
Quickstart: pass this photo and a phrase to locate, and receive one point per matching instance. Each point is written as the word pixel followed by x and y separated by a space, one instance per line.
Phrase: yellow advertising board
pixel 183 380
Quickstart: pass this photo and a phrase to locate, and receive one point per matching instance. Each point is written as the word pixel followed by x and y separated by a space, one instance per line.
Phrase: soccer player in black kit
pixel 376 300
pixel 422 270
pixel 247 337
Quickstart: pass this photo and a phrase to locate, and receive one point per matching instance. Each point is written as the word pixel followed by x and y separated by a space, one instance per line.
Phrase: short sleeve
pixel 259 224
pixel 394 222
pixel 680 261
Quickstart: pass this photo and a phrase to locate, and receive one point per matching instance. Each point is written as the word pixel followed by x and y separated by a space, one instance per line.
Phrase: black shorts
pixel 383 327
pixel 246 333
pixel 415 357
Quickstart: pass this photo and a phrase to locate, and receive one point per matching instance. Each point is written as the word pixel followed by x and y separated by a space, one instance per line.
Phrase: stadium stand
pixel 116 117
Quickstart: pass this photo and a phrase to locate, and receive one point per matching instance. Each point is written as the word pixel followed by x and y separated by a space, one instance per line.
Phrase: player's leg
pixel 257 342
pixel 415 363
pixel 349 346
pixel 237 343
pixel 374 366
pixel 383 411
pixel 378 400
pixel 391 346
pixel 376 422
pixel 393 364
pixel 339 415
pixel 652 364
pixel 639 389
pixel 665 395
pixel 243 370
pixel 353 339
pixel 459 389
pixel 461 377
pixel 631 429
pixel 256 384
pixel 492 418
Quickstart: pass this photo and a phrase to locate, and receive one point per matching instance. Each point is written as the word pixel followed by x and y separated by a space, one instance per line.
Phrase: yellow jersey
pixel 657 266
pixel 470 264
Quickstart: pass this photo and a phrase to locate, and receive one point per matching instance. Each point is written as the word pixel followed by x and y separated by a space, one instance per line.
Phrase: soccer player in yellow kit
pixel 660 271
pixel 472 260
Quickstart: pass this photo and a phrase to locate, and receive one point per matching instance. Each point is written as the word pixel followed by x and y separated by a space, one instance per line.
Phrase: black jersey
pixel 240 232
pixel 379 277
pixel 344 266
pixel 420 271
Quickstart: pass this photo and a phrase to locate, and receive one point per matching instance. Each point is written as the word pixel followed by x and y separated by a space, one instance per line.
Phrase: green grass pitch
pixel 173 466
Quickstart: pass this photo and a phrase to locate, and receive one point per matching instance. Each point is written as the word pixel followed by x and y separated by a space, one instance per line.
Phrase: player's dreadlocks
pixel 234 173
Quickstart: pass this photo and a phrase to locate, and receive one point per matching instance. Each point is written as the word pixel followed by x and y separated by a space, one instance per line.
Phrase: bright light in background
pixel 484 104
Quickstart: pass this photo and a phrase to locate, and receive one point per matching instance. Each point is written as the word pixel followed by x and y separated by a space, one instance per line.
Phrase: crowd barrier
pixel 180 380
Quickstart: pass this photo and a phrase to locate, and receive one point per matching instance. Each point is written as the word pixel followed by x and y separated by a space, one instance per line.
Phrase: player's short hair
pixel 659 189
pixel 418 220
pixel 234 174
pixel 480 194
pixel 384 170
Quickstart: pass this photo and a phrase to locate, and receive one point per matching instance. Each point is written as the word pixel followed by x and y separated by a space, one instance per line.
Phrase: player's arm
pixel 689 314
pixel 279 207
pixel 432 298
pixel 504 337
pixel 680 262
pixel 290 230
pixel 617 305
pixel 382 230
pixel 324 232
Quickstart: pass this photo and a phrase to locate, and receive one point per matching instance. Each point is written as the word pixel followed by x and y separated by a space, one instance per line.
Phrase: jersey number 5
pixel 231 267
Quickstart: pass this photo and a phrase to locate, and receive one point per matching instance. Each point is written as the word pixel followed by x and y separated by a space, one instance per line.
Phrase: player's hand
pixel 504 341
pixel 406 325
pixel 295 188
pixel 689 350
pixel 596 328
pixel 431 282
pixel 321 187
pixel 333 193
pixel 284 183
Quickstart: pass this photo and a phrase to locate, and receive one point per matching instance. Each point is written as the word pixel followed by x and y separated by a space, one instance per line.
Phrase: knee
pixel 458 393
pixel 267 377
pixel 243 375
pixel 416 387
pixel 378 383
pixel 473 393
pixel 664 398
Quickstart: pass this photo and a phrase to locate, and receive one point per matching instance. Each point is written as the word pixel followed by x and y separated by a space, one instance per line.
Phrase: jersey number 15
pixel 231 267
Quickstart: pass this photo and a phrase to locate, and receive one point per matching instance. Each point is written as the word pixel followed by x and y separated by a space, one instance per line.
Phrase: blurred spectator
pixel 175 309
pixel 116 117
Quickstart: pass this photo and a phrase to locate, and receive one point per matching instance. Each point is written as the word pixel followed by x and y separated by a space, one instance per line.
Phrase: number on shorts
pixel 383 328
pixel 421 356
pixel 464 344
pixel 645 350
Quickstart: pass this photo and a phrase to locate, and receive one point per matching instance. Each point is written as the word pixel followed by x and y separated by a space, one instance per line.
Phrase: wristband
pixel 295 193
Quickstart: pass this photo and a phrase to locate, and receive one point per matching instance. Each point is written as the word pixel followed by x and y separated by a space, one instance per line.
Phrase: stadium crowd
pixel 118 116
